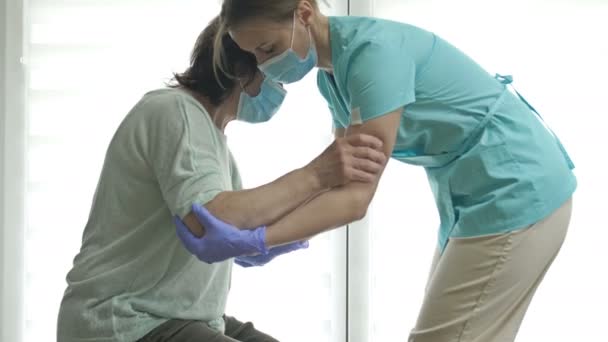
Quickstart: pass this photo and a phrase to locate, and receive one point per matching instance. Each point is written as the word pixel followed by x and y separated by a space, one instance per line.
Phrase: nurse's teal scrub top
pixel 492 164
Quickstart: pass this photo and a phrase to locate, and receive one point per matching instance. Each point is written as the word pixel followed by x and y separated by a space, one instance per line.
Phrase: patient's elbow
pixel 192 223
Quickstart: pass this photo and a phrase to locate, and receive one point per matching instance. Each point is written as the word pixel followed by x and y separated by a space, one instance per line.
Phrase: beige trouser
pixel 480 288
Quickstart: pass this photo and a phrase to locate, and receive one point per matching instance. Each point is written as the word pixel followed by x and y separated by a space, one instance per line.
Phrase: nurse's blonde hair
pixel 235 12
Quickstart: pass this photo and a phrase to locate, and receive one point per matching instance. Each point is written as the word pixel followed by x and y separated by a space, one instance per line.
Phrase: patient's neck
pixel 219 115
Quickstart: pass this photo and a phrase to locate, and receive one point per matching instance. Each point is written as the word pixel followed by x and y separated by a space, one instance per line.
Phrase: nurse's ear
pixel 306 12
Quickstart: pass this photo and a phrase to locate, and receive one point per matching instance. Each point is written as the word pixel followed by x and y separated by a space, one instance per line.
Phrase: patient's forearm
pixel 267 203
pixel 330 210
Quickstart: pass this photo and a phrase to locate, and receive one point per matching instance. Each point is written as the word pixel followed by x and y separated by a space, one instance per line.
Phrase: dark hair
pixel 235 12
pixel 201 78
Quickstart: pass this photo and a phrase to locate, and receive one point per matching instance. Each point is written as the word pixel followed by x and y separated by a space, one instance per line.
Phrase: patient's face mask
pixel 261 108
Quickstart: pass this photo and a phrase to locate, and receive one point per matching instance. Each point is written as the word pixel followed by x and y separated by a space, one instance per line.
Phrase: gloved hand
pixel 221 240
pixel 263 259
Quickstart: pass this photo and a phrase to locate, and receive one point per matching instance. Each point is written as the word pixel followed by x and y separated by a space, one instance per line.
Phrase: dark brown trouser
pixel 176 330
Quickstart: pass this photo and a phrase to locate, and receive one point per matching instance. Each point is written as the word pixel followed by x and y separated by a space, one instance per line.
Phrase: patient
pixel 133 280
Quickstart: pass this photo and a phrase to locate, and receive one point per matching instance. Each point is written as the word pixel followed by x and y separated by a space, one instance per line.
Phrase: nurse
pixel 501 179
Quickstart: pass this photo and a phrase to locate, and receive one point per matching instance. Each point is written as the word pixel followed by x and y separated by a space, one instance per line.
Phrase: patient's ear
pixel 254 84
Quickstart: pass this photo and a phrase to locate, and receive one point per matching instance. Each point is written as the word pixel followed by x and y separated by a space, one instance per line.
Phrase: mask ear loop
pixel 239 106
pixel 293 29
pixel 243 90
pixel 244 84
pixel 243 93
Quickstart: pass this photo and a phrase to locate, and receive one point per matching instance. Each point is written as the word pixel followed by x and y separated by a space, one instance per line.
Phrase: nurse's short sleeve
pixel 184 154
pixel 338 119
pixel 380 78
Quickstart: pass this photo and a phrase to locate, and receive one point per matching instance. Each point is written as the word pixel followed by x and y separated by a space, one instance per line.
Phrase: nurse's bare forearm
pixel 332 209
pixel 267 203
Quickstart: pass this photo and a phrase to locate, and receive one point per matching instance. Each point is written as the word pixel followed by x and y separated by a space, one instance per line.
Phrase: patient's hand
pixel 357 157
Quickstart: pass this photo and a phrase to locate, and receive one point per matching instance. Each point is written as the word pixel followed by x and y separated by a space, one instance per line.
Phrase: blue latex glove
pixel 263 259
pixel 221 241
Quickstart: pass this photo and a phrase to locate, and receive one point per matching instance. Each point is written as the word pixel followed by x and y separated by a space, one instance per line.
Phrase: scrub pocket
pixel 486 187
pixel 476 175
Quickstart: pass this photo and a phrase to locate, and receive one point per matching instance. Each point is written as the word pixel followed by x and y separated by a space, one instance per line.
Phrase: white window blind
pixel 87 63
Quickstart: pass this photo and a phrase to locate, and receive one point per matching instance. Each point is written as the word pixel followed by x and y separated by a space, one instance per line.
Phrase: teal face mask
pixel 261 108
pixel 288 67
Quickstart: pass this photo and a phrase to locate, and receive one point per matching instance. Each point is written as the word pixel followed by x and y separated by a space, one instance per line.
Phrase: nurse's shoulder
pixel 391 42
